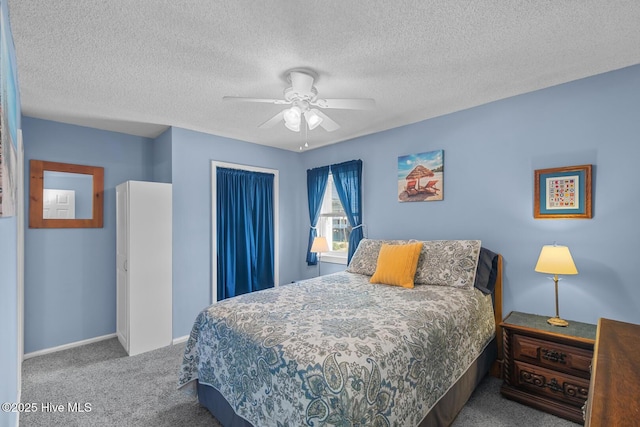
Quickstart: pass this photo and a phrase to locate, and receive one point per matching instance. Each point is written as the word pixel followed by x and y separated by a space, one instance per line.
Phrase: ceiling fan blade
pixel 272 121
pixel 327 123
pixel 265 100
pixel 346 103
pixel 301 82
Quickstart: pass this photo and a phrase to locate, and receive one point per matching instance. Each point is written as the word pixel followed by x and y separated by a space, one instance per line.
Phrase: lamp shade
pixel 555 259
pixel 320 245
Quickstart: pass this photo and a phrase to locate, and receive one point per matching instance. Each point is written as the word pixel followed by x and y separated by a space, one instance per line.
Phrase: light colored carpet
pixel 141 391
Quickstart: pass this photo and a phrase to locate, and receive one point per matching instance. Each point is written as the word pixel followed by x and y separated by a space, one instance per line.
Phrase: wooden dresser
pixel 547 367
pixel 614 393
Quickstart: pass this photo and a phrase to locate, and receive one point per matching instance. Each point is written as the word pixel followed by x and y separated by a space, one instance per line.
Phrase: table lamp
pixel 555 259
pixel 318 246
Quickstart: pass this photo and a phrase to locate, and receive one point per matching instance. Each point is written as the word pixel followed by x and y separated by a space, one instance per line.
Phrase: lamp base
pixel 556 321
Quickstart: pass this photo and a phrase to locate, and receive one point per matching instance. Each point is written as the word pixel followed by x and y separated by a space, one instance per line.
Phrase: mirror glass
pixel 64 195
pixel 67 195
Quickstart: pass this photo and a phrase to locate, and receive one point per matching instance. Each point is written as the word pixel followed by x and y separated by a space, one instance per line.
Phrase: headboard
pixel 496 369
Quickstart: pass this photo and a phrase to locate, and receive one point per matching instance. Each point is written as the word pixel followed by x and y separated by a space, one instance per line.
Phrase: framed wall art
pixel 9 122
pixel 421 177
pixel 562 193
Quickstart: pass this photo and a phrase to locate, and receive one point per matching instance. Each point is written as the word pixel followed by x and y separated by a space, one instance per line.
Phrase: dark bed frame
pixel 442 414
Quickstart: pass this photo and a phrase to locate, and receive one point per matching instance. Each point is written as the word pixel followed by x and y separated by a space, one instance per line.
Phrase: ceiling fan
pixel 305 103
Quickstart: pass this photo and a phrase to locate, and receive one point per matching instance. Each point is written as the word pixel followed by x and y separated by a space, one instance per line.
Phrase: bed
pixel 339 350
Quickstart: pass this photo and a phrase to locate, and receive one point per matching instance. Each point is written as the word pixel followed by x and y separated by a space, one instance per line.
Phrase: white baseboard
pixel 180 340
pixel 67 346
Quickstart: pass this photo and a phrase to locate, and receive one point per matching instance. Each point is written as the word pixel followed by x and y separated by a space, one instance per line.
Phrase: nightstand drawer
pixel 545 366
pixel 552 384
pixel 559 357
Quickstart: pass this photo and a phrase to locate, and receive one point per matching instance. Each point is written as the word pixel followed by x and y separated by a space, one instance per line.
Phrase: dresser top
pixel 615 382
pixel 575 329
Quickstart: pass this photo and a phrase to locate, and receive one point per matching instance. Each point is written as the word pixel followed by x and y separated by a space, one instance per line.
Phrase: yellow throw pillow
pixel 397 264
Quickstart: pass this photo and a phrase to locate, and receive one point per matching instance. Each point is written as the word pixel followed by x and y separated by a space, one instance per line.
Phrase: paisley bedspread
pixel 337 350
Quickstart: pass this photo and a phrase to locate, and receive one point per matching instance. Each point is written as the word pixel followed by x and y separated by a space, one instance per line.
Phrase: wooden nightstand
pixel 547 367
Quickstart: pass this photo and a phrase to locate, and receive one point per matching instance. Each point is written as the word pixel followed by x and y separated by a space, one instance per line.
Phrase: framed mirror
pixel 63 195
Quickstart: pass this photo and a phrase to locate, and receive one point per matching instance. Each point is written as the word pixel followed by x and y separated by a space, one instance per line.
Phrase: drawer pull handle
pixel 554 356
pixel 566 388
pixel 553 385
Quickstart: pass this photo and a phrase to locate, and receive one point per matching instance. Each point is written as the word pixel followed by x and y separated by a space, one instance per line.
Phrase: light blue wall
pixel 8 317
pixel 9 363
pixel 70 274
pixel 491 153
pixel 161 157
pixel 191 170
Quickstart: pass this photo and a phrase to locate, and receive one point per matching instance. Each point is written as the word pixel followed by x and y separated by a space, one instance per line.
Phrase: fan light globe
pixel 312 118
pixel 292 115
pixel 292 126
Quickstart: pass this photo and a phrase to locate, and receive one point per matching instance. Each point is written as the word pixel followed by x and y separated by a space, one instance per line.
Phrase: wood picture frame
pixel 563 193
pixel 36 191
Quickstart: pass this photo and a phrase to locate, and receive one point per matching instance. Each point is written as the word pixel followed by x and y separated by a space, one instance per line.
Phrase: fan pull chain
pixel 306 137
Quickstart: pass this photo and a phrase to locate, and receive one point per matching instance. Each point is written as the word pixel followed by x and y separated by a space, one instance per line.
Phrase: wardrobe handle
pixel 125 265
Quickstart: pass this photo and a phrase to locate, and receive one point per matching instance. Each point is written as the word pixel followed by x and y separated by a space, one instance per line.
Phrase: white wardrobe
pixel 144 284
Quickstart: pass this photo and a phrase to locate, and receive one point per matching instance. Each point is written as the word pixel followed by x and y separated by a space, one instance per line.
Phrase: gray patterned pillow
pixel 448 263
pixel 365 258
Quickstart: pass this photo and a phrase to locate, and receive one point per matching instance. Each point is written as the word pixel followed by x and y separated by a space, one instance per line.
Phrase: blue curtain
pixel 244 209
pixel 348 177
pixel 316 184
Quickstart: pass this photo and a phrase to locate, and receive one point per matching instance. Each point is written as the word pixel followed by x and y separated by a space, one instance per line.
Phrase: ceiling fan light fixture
pixel 302 96
pixel 293 126
pixel 312 118
pixel 292 115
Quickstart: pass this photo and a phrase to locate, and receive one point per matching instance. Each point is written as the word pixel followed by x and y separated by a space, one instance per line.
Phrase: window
pixel 334 225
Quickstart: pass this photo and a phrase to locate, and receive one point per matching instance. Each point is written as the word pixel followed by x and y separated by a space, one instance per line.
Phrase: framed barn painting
pixel 562 193
pixel 421 177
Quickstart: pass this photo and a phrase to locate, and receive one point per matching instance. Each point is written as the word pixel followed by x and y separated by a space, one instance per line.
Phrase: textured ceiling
pixel 140 66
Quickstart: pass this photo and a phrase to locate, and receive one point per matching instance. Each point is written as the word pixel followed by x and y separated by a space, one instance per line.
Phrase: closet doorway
pixel 244 226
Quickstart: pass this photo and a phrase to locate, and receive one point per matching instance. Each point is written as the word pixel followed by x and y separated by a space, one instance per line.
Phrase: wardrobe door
pixel 144 266
pixel 122 276
pixel 149 266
